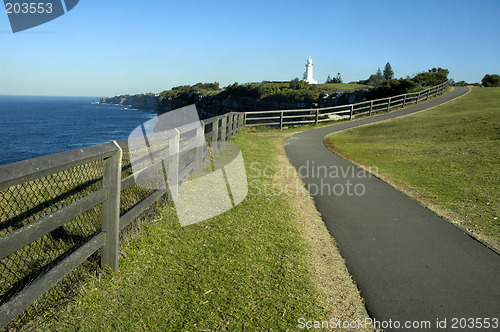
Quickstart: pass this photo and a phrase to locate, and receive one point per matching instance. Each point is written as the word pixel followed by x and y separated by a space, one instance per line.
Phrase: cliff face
pixel 143 101
pixel 212 104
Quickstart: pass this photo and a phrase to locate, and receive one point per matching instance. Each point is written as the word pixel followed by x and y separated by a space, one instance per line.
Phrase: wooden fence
pixel 284 118
pixel 24 181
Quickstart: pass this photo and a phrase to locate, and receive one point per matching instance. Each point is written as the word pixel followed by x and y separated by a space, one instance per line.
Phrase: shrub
pixel 490 80
pixel 394 87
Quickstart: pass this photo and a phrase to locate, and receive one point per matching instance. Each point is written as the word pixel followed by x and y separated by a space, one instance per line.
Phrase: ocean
pixel 33 126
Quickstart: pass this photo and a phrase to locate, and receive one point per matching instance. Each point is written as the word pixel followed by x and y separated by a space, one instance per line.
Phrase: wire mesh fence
pixel 23 204
pixel 26 204
pixel 134 195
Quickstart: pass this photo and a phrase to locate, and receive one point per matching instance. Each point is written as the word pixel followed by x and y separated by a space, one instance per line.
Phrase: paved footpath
pixel 409 263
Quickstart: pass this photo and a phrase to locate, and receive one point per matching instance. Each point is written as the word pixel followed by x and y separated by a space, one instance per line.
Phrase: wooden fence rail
pixel 20 176
pixel 283 118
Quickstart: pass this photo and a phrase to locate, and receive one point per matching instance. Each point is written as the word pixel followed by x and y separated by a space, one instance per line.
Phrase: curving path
pixel 409 263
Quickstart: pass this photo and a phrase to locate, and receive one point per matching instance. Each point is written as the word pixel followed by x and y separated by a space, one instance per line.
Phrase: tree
pixel 432 77
pixel 374 79
pixel 461 83
pixel 388 72
pixel 491 80
pixel 336 79
pixel 394 87
pixel 295 83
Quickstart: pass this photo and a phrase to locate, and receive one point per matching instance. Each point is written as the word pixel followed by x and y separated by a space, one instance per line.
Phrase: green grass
pixel 446 157
pixel 245 269
pixel 343 87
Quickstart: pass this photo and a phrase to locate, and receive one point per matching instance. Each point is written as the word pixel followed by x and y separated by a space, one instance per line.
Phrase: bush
pixel 433 77
pixel 391 88
pixel 374 79
pixel 490 80
pixel 295 84
pixel 459 83
pixel 400 86
pixel 293 91
pixel 336 79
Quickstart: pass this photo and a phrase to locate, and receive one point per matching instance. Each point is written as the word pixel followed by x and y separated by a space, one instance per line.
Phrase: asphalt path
pixel 409 264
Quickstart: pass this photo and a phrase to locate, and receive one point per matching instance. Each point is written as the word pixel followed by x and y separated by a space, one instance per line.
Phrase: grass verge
pixel 261 266
pixel 446 157
pixel 344 87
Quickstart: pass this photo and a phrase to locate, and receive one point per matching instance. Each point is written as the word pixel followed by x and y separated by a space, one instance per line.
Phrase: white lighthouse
pixel 309 72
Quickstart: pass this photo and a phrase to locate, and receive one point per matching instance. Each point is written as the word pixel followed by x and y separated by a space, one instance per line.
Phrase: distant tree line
pixel 198 87
pixel 294 91
pixel 189 92
pixel 379 77
pixel 376 79
pixel 489 80
pixel 459 83
pixel 392 87
pixel 336 79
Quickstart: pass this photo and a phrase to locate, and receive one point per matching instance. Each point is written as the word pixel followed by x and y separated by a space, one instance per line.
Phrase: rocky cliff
pixel 211 105
pixel 140 101
pixel 216 102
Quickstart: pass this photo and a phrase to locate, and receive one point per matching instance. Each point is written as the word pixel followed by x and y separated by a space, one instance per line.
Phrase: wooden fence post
pixel 317 116
pixel 428 93
pixel 234 124
pixel 237 123
pixel 389 104
pixel 173 166
pixel 234 119
pixel 200 143
pixel 241 118
pixel 229 132
pixel 281 120
pixel 404 101
pixel 418 97
pixel 112 171
pixel 215 136
pixel 371 107
pixel 352 112
pixel 223 133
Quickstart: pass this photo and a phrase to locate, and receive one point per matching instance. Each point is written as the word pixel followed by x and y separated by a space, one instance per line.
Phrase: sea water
pixel 33 126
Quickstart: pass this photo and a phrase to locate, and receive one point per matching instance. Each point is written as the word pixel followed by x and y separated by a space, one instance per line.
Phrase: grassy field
pixel 446 157
pixel 344 87
pixel 260 266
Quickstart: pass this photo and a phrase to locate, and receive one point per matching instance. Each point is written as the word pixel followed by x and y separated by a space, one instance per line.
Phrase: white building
pixel 309 72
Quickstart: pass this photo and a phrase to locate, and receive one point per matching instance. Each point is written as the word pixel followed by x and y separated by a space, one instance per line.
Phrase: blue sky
pixel 111 47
